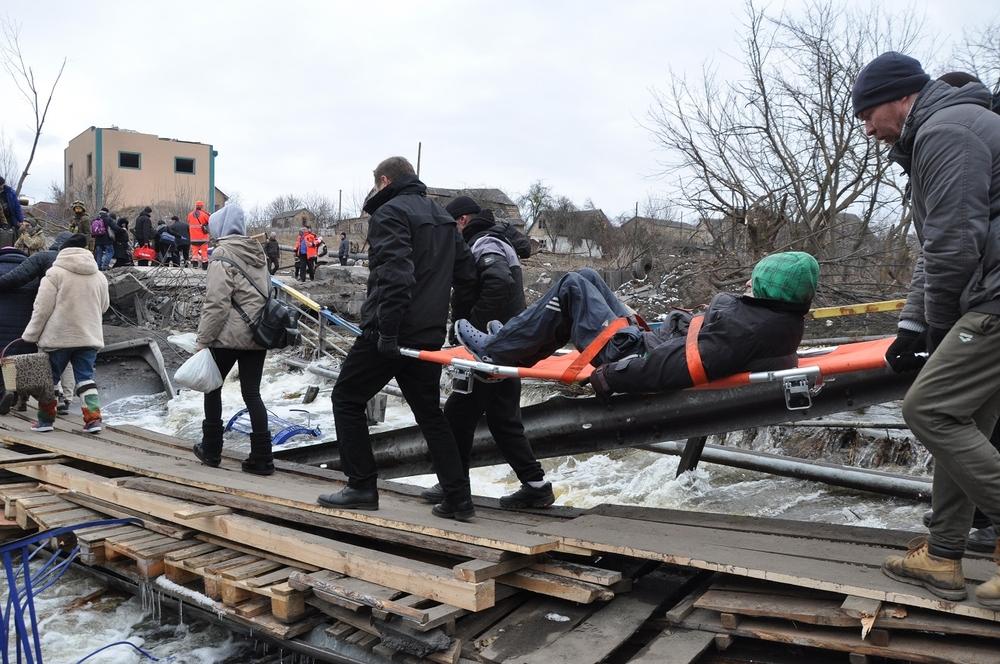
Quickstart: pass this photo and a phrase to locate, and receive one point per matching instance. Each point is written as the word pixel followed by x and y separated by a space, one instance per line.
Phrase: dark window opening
pixel 183 165
pixel 90 165
pixel 129 160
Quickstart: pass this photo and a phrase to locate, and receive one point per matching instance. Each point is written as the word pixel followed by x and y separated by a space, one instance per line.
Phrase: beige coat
pixel 31 241
pixel 70 304
pixel 221 325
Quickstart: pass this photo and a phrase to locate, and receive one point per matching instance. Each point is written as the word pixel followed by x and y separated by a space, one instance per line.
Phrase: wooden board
pixel 801 563
pixel 675 645
pixel 390 570
pixel 557 586
pixel 396 513
pixel 531 628
pixel 920 648
pixel 604 631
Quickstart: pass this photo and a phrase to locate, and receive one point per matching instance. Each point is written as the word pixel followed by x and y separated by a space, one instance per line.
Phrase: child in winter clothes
pixel 66 322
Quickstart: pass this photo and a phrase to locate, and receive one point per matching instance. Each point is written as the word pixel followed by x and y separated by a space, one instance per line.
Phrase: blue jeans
pixel 83 360
pixel 104 254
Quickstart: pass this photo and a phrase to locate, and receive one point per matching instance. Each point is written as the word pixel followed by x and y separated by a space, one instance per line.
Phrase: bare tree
pixel 535 200
pixel 8 159
pixel 775 159
pixel 24 78
pixel 979 54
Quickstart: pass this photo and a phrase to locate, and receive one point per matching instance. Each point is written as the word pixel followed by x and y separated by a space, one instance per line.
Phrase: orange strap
pixel 695 368
pixel 588 353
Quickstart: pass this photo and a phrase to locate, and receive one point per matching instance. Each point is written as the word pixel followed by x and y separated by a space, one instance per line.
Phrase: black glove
pixel 599 382
pixel 934 337
pixel 388 346
pixel 901 355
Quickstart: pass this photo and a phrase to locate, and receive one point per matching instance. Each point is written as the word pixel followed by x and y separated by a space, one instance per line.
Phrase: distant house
pixel 294 219
pixel 492 199
pixel 579 232
pixel 664 231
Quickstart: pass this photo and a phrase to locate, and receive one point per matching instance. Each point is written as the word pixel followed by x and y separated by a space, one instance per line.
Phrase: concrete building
pixel 123 169
pixel 492 199
pixel 294 219
pixel 575 232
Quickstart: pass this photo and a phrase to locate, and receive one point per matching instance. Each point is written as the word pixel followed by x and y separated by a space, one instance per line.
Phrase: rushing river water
pixel 629 477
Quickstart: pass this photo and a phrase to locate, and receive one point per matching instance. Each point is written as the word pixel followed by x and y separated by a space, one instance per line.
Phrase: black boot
pixel 350 498
pixel 462 510
pixel 529 497
pixel 433 495
pixel 260 461
pixel 209 450
pixel 983 540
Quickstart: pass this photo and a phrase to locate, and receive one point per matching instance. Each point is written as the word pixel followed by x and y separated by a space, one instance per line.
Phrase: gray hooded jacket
pixel 950 146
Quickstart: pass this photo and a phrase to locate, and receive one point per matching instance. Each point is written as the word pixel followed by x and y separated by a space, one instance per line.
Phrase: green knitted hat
pixel 790 276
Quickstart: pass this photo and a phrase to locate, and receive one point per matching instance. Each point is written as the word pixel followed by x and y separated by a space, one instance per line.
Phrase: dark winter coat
pixel 34 268
pixel 143 228
pixel 16 303
pixel 272 249
pixel 12 206
pixel 123 246
pixel 344 250
pixel 739 333
pixel 950 146
pixel 500 286
pixel 179 229
pixel 416 255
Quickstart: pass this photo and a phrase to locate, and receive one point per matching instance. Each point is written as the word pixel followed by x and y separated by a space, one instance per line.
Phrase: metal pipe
pixel 852 424
pixel 564 426
pixel 833 474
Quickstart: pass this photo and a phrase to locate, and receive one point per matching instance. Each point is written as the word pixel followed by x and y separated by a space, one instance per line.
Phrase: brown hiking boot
pixel 988 592
pixel 919 567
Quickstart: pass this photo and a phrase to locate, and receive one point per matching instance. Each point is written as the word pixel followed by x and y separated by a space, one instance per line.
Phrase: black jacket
pixel 143 229
pixel 739 334
pixel 22 273
pixel 415 256
pixel 16 302
pixel 499 291
pixel 272 249
pixel 182 235
pixel 109 237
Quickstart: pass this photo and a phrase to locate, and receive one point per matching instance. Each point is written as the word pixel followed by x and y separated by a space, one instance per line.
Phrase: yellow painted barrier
pixel 855 309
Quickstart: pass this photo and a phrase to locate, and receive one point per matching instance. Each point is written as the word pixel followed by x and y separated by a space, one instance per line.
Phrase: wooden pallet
pixel 245 582
pixel 145 548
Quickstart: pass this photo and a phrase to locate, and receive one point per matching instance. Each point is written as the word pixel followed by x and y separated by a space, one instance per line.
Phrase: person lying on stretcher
pixel 754 332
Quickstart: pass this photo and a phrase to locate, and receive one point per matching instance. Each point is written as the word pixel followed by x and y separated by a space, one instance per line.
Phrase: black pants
pixel 362 375
pixel 272 264
pixel 304 265
pixel 501 402
pixel 184 250
pixel 251 364
pixel 343 260
pixel 576 308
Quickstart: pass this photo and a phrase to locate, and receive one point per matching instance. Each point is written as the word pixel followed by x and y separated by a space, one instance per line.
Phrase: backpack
pixel 277 325
pixel 517 239
pixel 98 227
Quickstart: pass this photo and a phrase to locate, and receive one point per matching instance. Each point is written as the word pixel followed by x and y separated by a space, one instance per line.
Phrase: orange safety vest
pixel 311 244
pixel 198 226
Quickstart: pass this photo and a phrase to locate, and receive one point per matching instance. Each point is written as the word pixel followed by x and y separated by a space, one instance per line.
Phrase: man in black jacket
pixel 499 297
pixel 416 257
pixel 272 250
pixel 182 239
pixel 144 228
pixel 739 333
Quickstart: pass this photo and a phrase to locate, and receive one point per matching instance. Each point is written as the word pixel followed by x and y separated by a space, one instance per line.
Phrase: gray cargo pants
pixel 952 408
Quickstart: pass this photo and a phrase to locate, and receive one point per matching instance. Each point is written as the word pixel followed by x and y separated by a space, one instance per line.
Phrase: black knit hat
pixel 75 240
pixel 462 205
pixel 888 77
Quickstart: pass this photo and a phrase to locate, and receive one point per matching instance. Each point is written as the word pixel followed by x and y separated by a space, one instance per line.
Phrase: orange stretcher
pixel 572 366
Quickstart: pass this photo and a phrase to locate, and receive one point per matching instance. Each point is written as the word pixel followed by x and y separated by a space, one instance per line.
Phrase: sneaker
pixel 983 540
pixel 528 496
pixel 42 427
pixel 494 327
pixel 474 341
pixel 920 567
pixel 988 592
pixel 461 511
pixel 93 426
pixel 62 407
pixel 433 495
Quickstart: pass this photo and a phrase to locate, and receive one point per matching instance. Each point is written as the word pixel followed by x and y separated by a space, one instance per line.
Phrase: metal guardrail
pixel 315 323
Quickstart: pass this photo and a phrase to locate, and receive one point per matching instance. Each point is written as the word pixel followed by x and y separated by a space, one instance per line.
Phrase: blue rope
pixel 144 653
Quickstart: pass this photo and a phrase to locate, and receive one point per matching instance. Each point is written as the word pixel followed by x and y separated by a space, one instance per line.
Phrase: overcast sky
pixel 303 97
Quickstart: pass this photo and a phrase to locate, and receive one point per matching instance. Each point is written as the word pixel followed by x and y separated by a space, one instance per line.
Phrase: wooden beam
pixel 33 460
pixel 201 512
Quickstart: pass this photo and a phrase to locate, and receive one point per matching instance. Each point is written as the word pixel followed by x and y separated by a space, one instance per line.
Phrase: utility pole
pixel 637 208
pixel 419 146
pixel 340 201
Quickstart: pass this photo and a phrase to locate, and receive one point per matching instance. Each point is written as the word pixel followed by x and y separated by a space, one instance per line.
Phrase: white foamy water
pixel 626 477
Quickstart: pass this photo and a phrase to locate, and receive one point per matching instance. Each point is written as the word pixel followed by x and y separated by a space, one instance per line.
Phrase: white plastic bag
pixel 199 373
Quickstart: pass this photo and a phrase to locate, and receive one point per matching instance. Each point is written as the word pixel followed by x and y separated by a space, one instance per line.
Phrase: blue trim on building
pixel 211 178
pixel 99 167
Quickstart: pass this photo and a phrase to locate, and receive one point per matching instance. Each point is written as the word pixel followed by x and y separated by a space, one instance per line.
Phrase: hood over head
pixel 77 260
pixel 230 220
pixel 244 248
